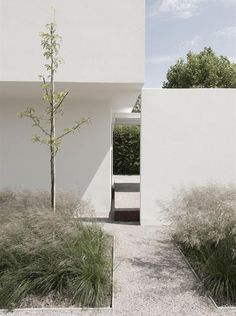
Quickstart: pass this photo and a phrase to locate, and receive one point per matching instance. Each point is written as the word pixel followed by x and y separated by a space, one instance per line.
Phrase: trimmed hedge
pixel 126 150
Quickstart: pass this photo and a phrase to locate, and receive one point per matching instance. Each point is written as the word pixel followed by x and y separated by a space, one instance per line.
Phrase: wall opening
pixel 126 167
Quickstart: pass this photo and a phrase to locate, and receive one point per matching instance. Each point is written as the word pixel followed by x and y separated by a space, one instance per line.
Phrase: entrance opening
pixel 126 167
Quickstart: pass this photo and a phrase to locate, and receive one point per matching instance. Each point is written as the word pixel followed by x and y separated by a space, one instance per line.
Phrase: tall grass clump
pixel 204 225
pixel 45 255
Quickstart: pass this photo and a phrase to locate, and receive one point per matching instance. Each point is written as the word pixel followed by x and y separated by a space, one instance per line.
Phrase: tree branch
pixel 61 101
pixel 36 121
pixel 45 85
pixel 73 129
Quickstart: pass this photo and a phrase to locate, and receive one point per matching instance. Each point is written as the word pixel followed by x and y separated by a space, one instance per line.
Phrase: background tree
pixel 137 106
pixel 202 70
pixel 54 105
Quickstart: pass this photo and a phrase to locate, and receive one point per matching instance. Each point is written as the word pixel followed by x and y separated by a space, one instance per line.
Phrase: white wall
pixel 83 164
pixel 103 49
pixel 103 40
pixel 188 137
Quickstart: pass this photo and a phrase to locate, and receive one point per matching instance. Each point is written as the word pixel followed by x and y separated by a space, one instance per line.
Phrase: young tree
pixel 202 70
pixel 54 105
pixel 138 105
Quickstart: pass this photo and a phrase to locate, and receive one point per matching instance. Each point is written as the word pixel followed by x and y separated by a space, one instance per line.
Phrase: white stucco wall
pixel 103 41
pixel 103 49
pixel 84 162
pixel 188 137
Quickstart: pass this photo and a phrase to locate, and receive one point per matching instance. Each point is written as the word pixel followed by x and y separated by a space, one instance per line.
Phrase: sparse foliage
pixel 138 105
pixel 54 101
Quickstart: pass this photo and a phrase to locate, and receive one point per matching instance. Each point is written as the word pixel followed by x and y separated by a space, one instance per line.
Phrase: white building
pixel 188 136
pixel 103 49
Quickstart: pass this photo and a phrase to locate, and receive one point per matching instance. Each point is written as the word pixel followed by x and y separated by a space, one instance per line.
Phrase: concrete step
pixel 127 187
pixel 127 215
pixel 127 199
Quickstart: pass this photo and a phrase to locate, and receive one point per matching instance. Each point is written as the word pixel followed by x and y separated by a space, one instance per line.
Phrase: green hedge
pixel 126 149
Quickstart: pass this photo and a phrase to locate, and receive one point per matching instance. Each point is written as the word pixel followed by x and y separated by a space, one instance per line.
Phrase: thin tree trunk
pixel 52 143
pixel 53 180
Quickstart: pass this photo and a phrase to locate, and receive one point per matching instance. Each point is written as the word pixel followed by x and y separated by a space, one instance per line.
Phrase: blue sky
pixel 173 27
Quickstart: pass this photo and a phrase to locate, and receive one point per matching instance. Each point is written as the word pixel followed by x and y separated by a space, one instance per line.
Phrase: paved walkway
pixel 151 278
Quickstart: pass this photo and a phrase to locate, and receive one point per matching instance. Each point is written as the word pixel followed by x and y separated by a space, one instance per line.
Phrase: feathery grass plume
pixel 204 225
pixel 43 255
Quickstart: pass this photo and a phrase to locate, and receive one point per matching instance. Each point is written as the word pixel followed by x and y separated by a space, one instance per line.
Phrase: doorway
pixel 126 167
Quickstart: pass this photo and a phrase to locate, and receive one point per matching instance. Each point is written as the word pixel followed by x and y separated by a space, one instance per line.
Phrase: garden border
pixel 209 297
pixel 83 310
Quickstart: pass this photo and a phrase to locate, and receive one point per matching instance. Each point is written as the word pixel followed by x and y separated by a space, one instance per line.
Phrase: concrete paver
pixel 127 192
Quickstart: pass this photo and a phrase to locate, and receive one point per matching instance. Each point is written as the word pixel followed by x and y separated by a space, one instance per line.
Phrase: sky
pixel 174 27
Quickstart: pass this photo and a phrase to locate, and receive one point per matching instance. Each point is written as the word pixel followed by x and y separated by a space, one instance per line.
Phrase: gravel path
pixel 151 278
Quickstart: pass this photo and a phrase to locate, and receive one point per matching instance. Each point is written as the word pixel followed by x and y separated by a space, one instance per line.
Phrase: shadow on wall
pixel 83 163
pixel 86 157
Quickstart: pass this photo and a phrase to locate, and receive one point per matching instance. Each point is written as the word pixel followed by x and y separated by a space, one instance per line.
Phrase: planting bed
pixel 203 225
pixel 213 300
pixel 50 260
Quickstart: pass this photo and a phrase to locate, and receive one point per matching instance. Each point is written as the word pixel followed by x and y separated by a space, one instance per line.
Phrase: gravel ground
pixel 151 278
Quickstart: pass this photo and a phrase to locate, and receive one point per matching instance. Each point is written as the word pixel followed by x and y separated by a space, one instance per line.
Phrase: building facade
pixel 103 69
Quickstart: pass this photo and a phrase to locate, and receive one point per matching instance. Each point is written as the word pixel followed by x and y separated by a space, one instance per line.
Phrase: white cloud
pixel 169 59
pixel 228 3
pixel 194 42
pixel 184 9
pixel 228 32
pixel 165 59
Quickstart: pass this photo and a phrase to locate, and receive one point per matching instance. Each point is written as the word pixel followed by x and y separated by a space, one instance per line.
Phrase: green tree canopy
pixel 202 70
